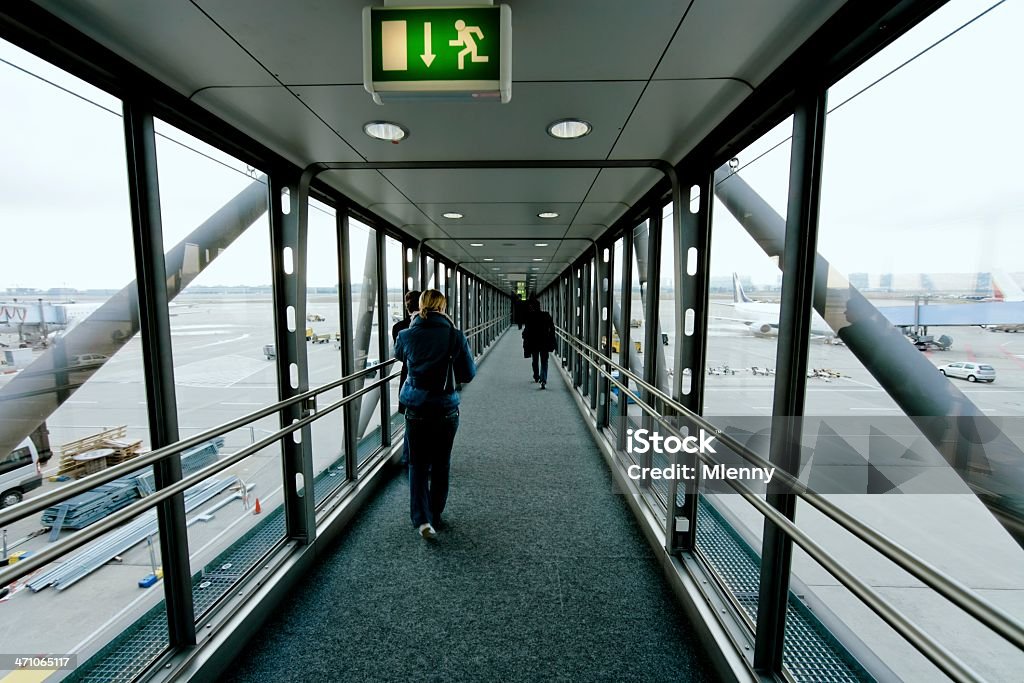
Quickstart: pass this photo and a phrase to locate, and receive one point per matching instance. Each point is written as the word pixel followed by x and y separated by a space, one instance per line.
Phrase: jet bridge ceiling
pixel 652 77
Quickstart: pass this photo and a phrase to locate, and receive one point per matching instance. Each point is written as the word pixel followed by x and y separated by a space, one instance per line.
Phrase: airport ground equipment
pixel 269 351
pixel 93 505
pixel 927 342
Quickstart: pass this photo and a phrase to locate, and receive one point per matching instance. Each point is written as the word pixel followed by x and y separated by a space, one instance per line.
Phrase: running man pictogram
pixel 466 39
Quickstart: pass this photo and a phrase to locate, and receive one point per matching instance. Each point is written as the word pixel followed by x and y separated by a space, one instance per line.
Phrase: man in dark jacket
pixel 539 340
pixel 412 307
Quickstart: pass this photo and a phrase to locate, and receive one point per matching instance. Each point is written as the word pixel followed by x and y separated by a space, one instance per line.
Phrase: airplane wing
pixel 985 313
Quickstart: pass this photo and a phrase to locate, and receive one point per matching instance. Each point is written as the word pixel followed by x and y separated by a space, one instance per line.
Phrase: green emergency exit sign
pixel 446 52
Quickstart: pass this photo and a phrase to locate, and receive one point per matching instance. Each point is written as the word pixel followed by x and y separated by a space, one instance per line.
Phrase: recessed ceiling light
pixel 547 214
pixel 495 268
pixel 454 215
pixel 541 244
pixel 569 129
pixel 538 259
pixel 476 244
pixel 534 268
pixel 488 259
pixel 385 130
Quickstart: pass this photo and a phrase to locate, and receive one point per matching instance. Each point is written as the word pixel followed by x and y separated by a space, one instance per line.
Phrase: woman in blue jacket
pixel 428 349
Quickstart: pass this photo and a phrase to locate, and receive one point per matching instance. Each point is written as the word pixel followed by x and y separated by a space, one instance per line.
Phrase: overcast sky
pixel 920 172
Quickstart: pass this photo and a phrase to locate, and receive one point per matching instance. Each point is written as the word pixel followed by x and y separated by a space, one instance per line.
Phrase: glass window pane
pixel 222 322
pixel 365 349
pixel 323 346
pixel 920 220
pixel 71 373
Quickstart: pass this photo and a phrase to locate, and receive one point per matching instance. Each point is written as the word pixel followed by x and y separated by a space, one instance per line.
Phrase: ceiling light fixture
pixel 385 130
pixel 547 214
pixel 476 244
pixel 538 259
pixel 454 215
pixel 540 244
pixel 569 129
pixel 488 259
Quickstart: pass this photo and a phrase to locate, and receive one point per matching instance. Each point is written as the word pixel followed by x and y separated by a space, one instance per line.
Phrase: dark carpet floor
pixel 541 575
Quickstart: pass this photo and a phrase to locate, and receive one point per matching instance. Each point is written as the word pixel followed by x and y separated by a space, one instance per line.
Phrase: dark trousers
pixel 541 376
pixel 430 437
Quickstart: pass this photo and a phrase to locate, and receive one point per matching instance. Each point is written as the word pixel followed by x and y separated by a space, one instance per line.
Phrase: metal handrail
pixel 996 619
pixel 83 536
pixel 41 502
pixel 119 517
pixel 477 329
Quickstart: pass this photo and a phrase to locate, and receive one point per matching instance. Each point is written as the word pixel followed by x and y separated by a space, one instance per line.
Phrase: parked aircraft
pixel 762 319
pixel 1005 312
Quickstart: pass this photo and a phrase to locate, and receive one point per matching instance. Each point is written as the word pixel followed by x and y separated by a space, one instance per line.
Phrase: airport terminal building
pixel 780 437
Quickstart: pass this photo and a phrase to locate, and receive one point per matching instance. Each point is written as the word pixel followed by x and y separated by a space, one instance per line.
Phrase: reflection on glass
pixel 396 312
pixel 365 345
pixel 72 390
pixel 919 228
pixel 217 245
pixel 323 346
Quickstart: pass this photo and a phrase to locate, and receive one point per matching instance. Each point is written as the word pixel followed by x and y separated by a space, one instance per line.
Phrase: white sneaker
pixel 427 531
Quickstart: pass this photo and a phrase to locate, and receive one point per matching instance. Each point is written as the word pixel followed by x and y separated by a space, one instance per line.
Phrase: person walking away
pixel 412 306
pixel 438 359
pixel 539 340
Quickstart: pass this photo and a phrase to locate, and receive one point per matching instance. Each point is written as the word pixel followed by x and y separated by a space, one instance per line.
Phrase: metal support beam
pixel 625 343
pixel 383 335
pixel 800 250
pixel 692 292
pixel 350 415
pixel 605 330
pixel 288 261
pixel 158 366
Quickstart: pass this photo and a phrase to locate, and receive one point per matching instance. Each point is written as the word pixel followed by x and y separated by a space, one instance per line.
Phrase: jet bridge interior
pixel 235 222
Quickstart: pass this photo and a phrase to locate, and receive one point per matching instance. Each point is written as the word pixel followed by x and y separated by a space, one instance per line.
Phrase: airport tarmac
pixel 222 373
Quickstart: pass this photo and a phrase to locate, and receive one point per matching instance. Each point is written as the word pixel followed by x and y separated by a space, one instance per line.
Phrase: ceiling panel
pixel 627 184
pixel 281 122
pixel 673 116
pixel 493 185
pixel 741 38
pixel 481 130
pixel 173 41
pixel 315 41
pixel 500 213
pixel 590 39
pixel 368 188
pixel 512 232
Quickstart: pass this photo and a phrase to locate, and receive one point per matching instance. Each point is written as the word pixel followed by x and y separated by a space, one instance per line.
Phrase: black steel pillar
pixel 693 291
pixel 625 311
pixel 161 402
pixel 799 254
pixel 605 268
pixel 288 261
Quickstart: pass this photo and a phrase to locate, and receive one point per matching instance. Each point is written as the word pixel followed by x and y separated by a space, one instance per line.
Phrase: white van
pixel 19 473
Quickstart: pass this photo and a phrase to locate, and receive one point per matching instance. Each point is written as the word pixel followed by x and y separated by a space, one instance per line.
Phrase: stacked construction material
pixel 95 504
pixel 94 453
pixel 91 506
pixel 94 555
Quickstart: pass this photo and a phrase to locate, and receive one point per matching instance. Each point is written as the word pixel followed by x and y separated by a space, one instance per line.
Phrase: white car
pixel 972 372
pixel 87 359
